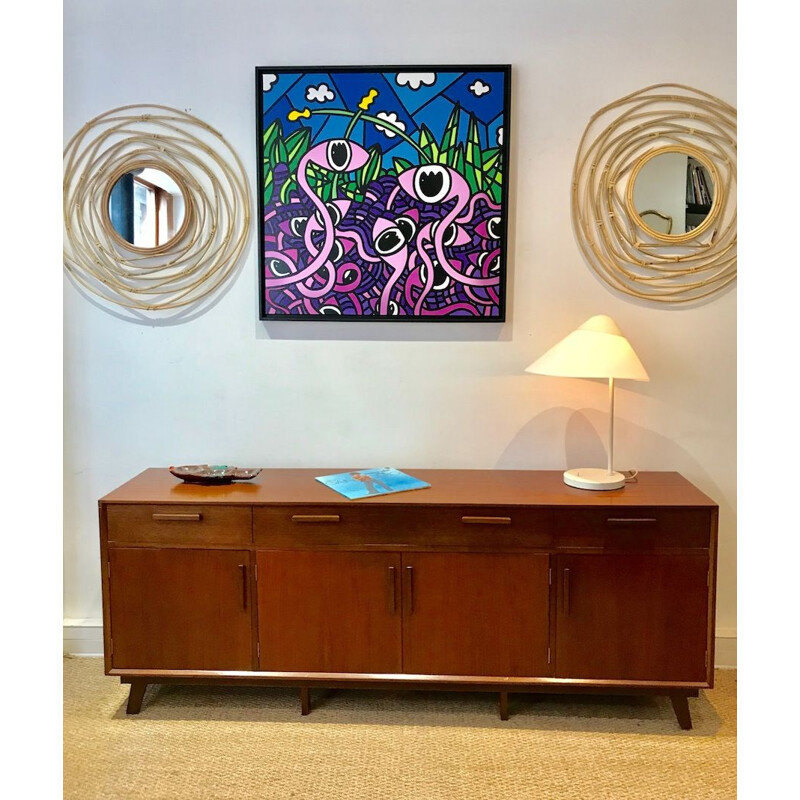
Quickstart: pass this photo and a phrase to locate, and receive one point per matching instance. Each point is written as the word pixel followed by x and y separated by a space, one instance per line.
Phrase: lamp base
pixel 597 479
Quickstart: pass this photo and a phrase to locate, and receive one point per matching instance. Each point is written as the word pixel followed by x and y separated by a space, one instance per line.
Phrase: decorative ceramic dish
pixel 216 474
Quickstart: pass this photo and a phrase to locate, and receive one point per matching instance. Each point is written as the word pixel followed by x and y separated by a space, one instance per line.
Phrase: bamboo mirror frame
pixel 630 255
pixel 209 242
pixel 715 205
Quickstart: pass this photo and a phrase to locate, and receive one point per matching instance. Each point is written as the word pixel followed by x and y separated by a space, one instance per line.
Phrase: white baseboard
pixel 725 648
pixel 84 637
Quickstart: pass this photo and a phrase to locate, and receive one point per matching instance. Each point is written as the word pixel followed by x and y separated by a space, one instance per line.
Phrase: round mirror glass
pixel 673 192
pixel 147 208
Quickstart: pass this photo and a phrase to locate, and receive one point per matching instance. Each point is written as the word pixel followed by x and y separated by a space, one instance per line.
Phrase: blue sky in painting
pixel 430 105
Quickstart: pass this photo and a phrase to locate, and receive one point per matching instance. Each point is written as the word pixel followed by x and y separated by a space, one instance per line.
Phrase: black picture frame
pixel 383 192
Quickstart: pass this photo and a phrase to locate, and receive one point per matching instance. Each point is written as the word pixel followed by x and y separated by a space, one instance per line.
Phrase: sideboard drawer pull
pixel 393 588
pixel 486 520
pixel 315 518
pixel 410 575
pixel 177 517
pixel 631 520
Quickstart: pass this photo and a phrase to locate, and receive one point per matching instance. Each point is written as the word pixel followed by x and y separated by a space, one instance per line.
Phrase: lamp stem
pixel 610 425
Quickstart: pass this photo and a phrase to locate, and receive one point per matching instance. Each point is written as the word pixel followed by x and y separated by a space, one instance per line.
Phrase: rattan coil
pixel 197 261
pixel 615 242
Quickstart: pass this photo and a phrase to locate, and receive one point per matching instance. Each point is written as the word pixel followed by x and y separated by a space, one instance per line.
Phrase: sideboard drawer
pixel 640 528
pixel 427 527
pixel 179 524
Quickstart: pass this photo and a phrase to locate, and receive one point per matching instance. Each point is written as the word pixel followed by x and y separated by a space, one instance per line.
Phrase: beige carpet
pixel 203 742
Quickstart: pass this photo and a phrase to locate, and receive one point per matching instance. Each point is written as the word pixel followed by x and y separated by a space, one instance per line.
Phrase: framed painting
pixel 383 192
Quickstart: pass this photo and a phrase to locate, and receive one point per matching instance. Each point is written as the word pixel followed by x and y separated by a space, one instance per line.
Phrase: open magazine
pixel 371 482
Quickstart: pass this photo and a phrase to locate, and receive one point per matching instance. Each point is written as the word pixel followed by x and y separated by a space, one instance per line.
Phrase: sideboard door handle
pixel 410 573
pixel 243 569
pixel 631 520
pixel 315 518
pixel 566 592
pixel 177 517
pixel 486 520
pixel 393 589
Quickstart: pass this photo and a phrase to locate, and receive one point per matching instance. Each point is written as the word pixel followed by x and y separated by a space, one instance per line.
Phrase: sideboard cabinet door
pixel 632 617
pixel 475 614
pixel 329 611
pixel 180 609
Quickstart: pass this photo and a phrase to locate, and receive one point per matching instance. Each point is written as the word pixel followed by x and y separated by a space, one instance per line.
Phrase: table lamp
pixel 595 350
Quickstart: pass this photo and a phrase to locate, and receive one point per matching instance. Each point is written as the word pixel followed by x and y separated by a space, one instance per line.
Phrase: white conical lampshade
pixel 595 350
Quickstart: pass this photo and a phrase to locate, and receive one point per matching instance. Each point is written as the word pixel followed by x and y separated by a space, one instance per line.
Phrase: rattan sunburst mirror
pixel 179 174
pixel 654 194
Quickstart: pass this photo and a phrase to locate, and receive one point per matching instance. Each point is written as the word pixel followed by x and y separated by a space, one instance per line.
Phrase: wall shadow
pixel 567 438
pixel 356 331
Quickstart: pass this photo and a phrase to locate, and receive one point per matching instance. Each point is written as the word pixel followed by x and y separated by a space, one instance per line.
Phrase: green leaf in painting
pixel 473 148
pixel 326 193
pixel 427 144
pixel 401 164
pixel 458 159
pixel 473 132
pixel 297 146
pixel 273 132
pixel 474 177
pixel 278 154
pixel 269 180
pixel 490 157
pixel 450 135
pixel 372 169
pixel 315 175
pixel 494 186
pixel 494 164
pixel 288 187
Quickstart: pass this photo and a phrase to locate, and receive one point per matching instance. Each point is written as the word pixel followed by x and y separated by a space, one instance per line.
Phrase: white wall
pixel 226 388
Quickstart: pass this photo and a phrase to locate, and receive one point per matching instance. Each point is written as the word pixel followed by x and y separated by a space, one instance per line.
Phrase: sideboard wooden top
pixel 448 487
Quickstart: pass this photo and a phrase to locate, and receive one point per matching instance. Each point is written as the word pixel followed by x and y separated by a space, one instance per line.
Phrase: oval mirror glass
pixel 147 208
pixel 673 192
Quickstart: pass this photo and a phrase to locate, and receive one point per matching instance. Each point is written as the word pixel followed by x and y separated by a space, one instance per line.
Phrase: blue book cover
pixel 371 482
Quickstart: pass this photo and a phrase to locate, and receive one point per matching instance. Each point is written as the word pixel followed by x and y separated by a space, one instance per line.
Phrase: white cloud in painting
pixel 500 136
pixel 319 94
pixel 389 117
pixel 479 88
pixel 415 79
pixel 267 80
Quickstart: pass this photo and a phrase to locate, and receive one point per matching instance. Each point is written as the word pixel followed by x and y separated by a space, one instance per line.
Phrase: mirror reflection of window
pixel 146 207
pixel 145 218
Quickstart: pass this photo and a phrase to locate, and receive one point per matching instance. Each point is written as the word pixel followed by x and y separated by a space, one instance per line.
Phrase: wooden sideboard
pixel 491 580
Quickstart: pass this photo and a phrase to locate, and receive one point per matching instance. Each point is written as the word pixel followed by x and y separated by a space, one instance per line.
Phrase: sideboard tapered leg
pixel 135 696
pixel 504 705
pixel 305 701
pixel 680 705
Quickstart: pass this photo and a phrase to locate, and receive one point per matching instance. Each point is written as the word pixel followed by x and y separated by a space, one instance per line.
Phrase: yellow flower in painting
pixel 295 115
pixel 367 99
